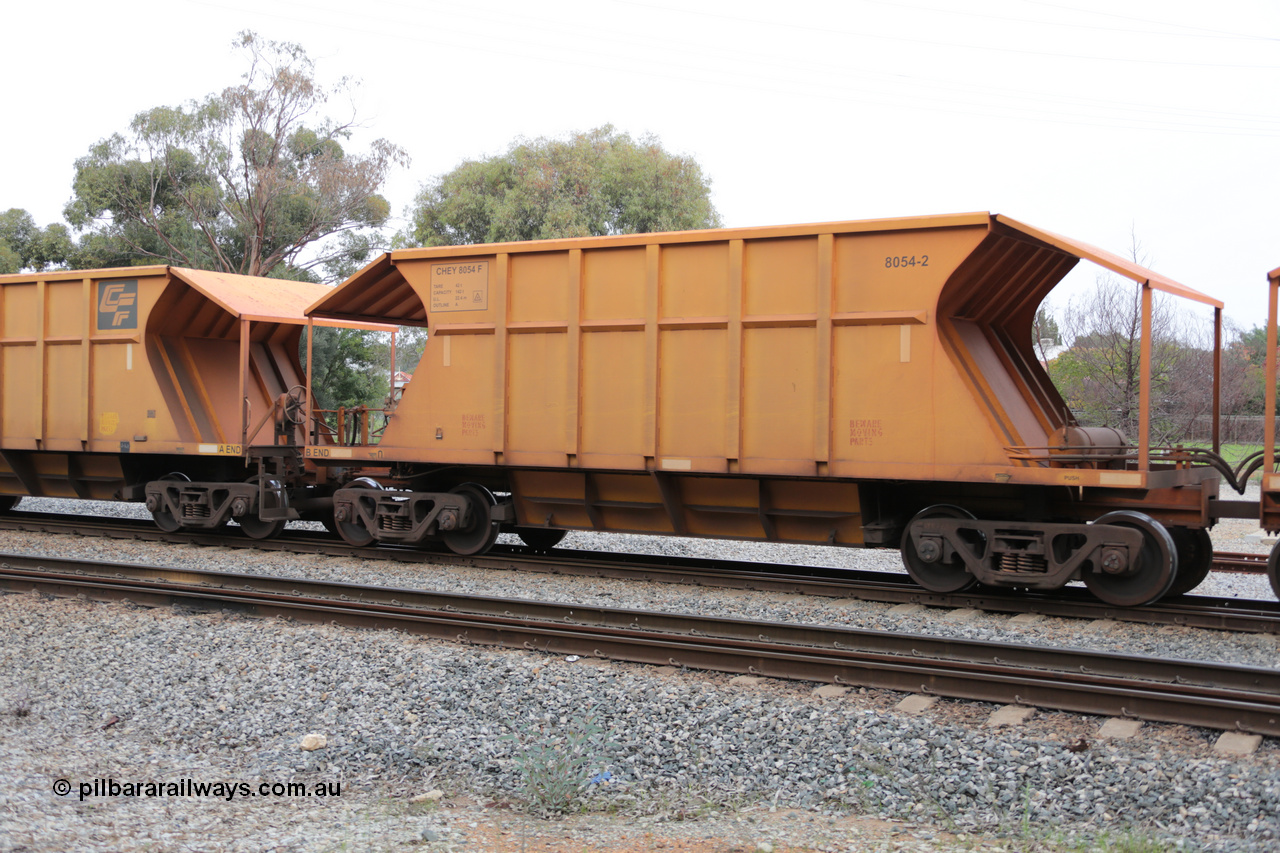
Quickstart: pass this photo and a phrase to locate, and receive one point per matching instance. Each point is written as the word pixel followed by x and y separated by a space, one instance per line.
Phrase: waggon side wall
pixel 73 370
pixel 810 355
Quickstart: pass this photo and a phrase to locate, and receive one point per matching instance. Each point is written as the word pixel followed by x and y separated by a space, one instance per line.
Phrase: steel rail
pixel 1186 692
pixel 1243 563
pixel 1227 614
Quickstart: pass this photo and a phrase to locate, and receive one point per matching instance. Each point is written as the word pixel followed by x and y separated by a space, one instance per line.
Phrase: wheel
pixel 163 518
pixel 1273 569
pixel 1195 558
pixel 481 531
pixel 1155 569
pixel 540 538
pixel 8 502
pixel 255 527
pixel 353 532
pixel 937 576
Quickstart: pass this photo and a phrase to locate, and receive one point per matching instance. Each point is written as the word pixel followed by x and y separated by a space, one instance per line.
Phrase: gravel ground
pixel 93 691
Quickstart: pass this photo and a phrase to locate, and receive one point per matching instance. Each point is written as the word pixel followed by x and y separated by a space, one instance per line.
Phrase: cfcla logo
pixel 118 304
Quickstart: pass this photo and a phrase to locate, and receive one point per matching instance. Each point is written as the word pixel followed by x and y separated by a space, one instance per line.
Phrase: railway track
pixel 1229 561
pixel 1186 692
pixel 1229 614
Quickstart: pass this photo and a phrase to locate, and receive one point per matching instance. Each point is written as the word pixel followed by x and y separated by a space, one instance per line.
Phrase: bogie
pixel 465 519
pixel 1126 558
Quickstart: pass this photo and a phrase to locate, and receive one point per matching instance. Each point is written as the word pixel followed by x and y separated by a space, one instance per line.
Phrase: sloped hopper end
pixel 377 295
pixel 985 315
pixel 193 345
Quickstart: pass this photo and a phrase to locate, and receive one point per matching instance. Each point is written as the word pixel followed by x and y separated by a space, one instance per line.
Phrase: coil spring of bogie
pixel 1023 563
pixel 195 511
pixel 400 523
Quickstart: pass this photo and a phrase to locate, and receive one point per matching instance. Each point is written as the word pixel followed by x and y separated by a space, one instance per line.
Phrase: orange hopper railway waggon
pixel 157 384
pixel 865 384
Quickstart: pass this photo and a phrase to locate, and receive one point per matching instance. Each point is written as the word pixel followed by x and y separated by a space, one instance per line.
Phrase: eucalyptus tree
pixel 26 246
pixel 590 184
pixel 248 180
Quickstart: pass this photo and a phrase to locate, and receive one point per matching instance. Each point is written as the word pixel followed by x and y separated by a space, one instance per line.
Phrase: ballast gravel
pixel 116 692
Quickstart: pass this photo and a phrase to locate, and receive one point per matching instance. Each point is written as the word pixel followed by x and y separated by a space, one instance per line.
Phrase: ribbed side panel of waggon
pixel 109 378
pixel 736 383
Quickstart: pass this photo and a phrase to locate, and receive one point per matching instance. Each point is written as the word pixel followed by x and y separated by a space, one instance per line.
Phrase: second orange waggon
pixel 855 383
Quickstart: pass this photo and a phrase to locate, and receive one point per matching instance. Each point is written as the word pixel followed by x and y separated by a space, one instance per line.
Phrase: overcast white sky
pixel 1090 118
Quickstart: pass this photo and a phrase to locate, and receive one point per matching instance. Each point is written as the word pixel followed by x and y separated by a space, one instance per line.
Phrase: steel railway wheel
pixel 353 531
pixel 163 518
pixel 255 527
pixel 936 576
pixel 1195 558
pixel 1153 573
pixel 540 538
pixel 480 531
pixel 1273 569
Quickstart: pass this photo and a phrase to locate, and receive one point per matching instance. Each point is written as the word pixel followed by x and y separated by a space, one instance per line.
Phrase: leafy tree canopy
pixel 24 245
pixel 1249 350
pixel 350 367
pixel 1100 375
pixel 1254 345
pixel 246 181
pixel 1045 327
pixel 592 184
